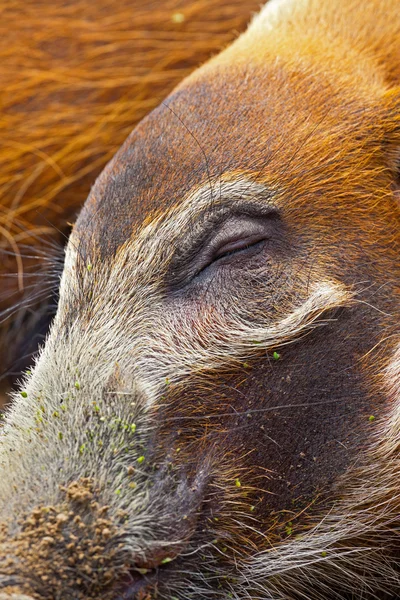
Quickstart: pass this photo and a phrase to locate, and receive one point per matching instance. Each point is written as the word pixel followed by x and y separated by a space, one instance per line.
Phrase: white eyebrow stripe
pixel 166 228
pixel 169 225
pixel 218 191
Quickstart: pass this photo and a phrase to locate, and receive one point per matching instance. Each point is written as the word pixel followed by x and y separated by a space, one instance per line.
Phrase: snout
pixel 95 544
pixel 107 492
pixel 12 596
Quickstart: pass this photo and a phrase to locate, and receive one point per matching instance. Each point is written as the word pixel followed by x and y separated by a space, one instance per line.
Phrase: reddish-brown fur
pixel 310 112
pixel 319 126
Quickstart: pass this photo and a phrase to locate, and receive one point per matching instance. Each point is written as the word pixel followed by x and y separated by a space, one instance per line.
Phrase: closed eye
pixel 223 236
pixel 240 234
pixel 239 245
pixel 245 248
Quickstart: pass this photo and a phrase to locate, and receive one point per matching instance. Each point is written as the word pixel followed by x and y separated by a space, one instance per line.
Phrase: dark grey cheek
pixel 298 416
pixel 311 405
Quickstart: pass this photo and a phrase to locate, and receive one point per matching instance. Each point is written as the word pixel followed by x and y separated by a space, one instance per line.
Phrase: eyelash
pixel 256 246
pixel 239 250
pixel 237 232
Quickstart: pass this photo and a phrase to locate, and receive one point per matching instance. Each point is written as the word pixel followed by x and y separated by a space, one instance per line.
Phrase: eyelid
pixel 191 247
pixel 236 233
pixel 240 243
pixel 213 218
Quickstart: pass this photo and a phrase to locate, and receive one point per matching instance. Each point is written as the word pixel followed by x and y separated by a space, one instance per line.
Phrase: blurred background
pixel 75 78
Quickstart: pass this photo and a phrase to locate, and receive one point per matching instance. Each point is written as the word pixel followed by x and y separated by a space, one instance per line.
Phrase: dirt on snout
pixel 68 550
pixel 14 596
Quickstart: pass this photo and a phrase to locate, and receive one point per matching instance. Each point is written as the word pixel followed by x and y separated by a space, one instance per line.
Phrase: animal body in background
pixel 215 413
pixel 75 79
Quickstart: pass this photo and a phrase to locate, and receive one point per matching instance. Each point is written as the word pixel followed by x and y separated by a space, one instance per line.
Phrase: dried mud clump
pixel 67 550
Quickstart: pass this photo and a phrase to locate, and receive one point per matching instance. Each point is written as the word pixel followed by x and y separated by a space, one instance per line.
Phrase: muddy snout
pixel 11 596
pixel 99 543
pixel 106 495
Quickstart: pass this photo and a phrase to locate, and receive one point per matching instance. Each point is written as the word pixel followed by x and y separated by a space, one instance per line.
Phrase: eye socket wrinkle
pixel 218 232
pixel 249 250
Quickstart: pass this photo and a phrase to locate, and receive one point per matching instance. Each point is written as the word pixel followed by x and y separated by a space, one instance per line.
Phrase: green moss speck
pixel 289 528
pixel 237 483
pixel 276 356
pixel 178 17
pixel 140 459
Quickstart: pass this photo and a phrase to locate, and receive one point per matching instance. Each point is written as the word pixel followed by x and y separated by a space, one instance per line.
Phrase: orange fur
pixel 301 116
pixel 75 78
